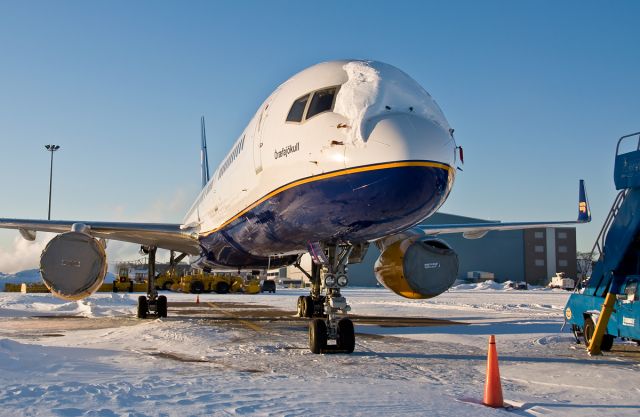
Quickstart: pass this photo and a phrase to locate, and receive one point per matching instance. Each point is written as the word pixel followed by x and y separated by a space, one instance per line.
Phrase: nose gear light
pixel 330 281
pixel 342 280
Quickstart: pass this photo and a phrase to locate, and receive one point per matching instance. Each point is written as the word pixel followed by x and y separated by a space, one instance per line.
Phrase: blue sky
pixel 538 92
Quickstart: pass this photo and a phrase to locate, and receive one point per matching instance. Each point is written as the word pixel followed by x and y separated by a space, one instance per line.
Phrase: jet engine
pixel 73 265
pixel 417 267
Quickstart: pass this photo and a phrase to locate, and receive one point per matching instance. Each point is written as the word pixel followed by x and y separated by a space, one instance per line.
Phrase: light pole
pixel 52 149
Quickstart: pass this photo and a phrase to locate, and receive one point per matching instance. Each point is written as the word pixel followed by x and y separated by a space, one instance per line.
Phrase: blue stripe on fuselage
pixel 354 207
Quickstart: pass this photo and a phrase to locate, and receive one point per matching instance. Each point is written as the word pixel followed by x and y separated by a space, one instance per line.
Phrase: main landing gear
pixel 151 304
pixel 328 275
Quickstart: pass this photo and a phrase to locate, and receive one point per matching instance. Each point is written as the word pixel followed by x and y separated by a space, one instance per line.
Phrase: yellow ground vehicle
pixel 168 281
pixel 203 282
pixel 251 285
pixel 122 283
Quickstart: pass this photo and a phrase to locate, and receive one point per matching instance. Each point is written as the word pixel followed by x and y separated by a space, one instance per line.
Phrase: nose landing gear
pixel 328 310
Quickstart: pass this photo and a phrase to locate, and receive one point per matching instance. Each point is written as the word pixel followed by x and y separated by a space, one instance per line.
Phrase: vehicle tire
pixel 115 287
pixel 161 306
pixel 222 287
pixel 143 307
pixel 317 336
pixel 346 339
pixel 167 285
pixel 577 333
pixel 607 343
pixel 589 329
pixel 307 307
pixel 196 287
pixel 130 286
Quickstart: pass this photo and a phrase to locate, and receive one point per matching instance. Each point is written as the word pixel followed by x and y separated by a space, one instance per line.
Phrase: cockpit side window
pixel 297 109
pixel 322 101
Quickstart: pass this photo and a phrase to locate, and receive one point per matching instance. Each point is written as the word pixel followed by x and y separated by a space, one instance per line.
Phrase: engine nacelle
pixel 417 267
pixel 73 265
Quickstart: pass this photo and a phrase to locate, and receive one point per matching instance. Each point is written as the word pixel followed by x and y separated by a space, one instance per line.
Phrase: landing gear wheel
pixel 222 288
pixel 307 307
pixel 143 307
pixel 317 336
pixel 161 306
pixel 607 343
pixel 346 338
pixel 299 309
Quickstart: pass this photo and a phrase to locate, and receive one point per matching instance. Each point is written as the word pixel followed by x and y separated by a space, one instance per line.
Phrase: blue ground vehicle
pixel 607 305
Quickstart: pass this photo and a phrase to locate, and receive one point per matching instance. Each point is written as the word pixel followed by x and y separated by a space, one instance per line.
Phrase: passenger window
pixel 322 101
pixel 297 109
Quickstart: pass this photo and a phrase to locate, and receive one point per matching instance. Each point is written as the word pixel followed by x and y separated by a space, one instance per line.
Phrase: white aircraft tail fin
pixel 204 158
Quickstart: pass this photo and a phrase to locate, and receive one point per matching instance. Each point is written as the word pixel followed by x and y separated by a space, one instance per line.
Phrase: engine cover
pixel 73 265
pixel 417 267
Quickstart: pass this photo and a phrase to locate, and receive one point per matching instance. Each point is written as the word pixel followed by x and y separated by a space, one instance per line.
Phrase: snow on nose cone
pixel 374 89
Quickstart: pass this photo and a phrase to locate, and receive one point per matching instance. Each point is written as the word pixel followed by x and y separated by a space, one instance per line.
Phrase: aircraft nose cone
pixel 410 137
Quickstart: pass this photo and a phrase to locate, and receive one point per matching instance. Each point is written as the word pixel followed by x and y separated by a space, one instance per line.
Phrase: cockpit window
pixel 297 109
pixel 322 101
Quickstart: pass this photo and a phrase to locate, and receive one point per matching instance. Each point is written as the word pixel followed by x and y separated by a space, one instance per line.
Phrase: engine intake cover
pixel 417 267
pixel 73 265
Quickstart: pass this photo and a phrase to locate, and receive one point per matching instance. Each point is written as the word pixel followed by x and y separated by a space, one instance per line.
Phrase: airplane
pixel 341 155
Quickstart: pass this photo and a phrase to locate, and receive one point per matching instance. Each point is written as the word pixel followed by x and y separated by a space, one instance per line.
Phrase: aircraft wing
pixel 478 230
pixel 162 235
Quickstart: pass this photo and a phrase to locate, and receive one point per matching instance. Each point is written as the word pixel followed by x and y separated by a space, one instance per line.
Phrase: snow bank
pixel 492 285
pixel 374 88
pixel 98 305
pixel 481 286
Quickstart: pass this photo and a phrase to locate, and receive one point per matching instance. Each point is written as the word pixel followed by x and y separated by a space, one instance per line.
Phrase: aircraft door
pixel 257 139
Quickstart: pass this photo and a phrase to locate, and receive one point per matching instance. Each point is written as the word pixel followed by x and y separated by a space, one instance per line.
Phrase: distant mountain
pixel 32 275
pixel 29 275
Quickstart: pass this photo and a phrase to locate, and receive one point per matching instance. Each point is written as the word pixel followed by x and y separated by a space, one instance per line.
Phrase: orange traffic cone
pixel 198 299
pixel 492 387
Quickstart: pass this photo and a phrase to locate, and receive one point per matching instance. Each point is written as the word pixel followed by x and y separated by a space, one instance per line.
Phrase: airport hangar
pixel 533 255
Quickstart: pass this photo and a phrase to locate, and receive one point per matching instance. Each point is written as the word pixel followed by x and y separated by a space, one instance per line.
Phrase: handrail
pixel 615 207
pixel 628 136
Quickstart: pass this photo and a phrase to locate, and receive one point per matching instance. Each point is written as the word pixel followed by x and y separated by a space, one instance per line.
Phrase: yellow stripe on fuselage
pixel 331 174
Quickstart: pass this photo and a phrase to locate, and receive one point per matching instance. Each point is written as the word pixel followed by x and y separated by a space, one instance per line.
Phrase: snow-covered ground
pixel 92 358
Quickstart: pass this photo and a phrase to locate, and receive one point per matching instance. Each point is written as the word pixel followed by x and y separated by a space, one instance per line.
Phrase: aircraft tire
pixel 161 306
pixel 307 307
pixel 299 308
pixel 317 336
pixel 346 339
pixel 143 307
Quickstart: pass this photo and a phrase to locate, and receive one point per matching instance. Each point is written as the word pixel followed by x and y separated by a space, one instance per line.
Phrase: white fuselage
pixel 379 117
